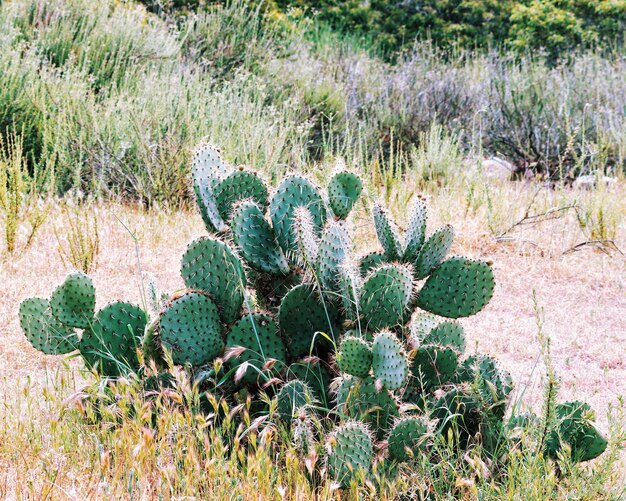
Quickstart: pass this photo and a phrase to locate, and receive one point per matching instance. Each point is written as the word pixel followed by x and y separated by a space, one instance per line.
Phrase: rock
pixel 496 168
pixel 589 181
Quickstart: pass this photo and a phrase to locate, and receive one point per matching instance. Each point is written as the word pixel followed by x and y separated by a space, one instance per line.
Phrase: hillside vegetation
pixel 107 98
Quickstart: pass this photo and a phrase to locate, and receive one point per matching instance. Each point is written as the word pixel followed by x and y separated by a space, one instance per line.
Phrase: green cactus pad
pixel 207 168
pixel 211 266
pixel 494 383
pixel 258 334
pixel 421 324
pixel 458 287
pixel 344 190
pixel 458 408
pixel 407 438
pixel 447 334
pixel 307 242
pixel 333 249
pixel 433 251
pixel 370 262
pixel 388 233
pixel 295 191
pixel 292 396
pixel 73 302
pixel 385 296
pixel 349 290
pixel 350 452
pixel 43 330
pixel 237 186
pixel 355 357
pixel 574 427
pixel 316 377
pixel 191 330
pixel 361 399
pixel 416 231
pixel 389 362
pixel 110 345
pixel 271 289
pixel 434 365
pixel 301 315
pixel 255 238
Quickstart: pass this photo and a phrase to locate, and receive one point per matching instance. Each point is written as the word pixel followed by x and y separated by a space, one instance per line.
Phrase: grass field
pixel 577 297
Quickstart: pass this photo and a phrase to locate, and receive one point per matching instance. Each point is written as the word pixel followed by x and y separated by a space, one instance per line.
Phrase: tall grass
pixel 114 98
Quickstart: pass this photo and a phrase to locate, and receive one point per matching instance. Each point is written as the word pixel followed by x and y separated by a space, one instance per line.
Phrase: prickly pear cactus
pixel 191 330
pixel 306 320
pixel 408 438
pixel 256 240
pixel 73 302
pixel 256 334
pixel 574 427
pixel 349 452
pixel 365 344
pixel 43 330
pixel 458 287
pixel 389 362
pixel 355 357
pixel 293 192
pixel 110 345
pixel 344 189
pixel 211 266
pixel 385 296
pixel 388 233
pixel 293 397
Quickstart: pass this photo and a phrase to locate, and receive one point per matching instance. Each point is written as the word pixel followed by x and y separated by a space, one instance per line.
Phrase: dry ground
pixel 582 295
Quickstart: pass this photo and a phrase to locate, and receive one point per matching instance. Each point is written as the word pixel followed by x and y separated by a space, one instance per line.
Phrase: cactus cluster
pixel 277 293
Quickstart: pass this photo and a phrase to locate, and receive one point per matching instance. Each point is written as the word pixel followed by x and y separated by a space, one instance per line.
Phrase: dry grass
pixel 582 295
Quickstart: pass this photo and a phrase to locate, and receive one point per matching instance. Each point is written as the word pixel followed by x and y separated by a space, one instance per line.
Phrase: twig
pixel 528 218
pixel 603 245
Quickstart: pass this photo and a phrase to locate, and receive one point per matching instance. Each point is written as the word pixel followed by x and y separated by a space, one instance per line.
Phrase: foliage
pixel 268 317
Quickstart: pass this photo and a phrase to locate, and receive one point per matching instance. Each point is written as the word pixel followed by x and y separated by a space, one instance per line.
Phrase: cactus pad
pixel 370 262
pixel 73 302
pixel 389 362
pixel 574 427
pixel 110 345
pixel 255 238
pixel 434 365
pixel 333 249
pixel 421 324
pixel 292 396
pixel 416 231
pixel 388 233
pixel 385 296
pixel 258 334
pixel 350 451
pixel 355 357
pixel 190 329
pixel 237 186
pixel 211 266
pixel 494 383
pixel 447 334
pixel 344 190
pixel 207 168
pixel 361 399
pixel 295 191
pixel 407 438
pixel 301 315
pixel 315 375
pixel 307 242
pixel 458 287
pixel 43 330
pixel 433 251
